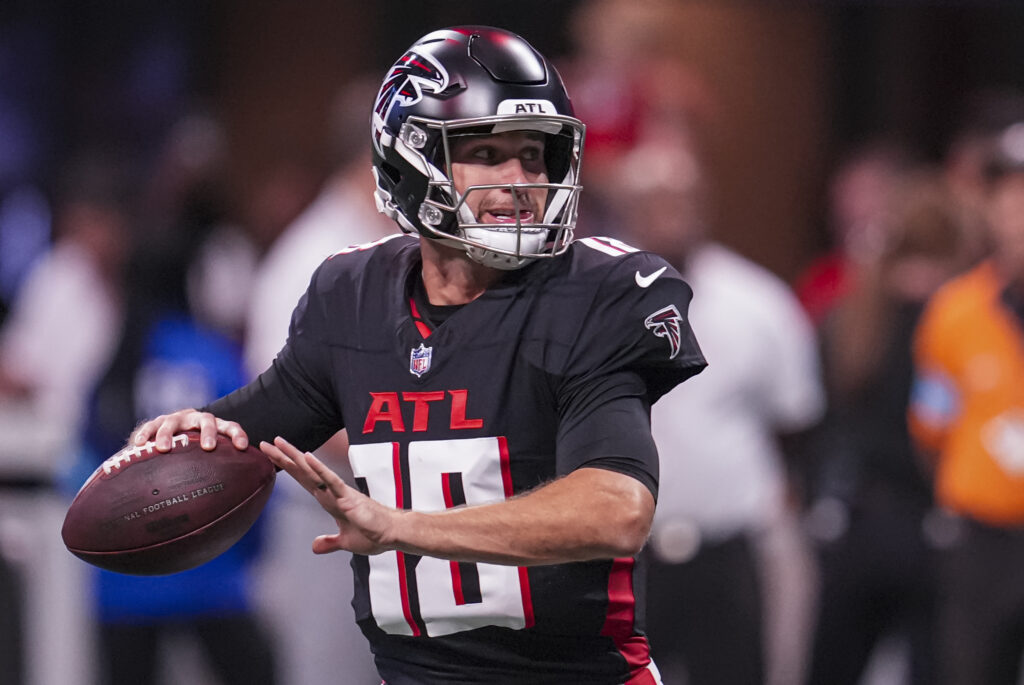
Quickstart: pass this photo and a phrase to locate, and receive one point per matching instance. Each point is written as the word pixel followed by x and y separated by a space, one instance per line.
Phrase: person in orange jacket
pixel 967 415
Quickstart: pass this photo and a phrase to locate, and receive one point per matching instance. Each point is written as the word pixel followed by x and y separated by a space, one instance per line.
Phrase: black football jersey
pixel 551 369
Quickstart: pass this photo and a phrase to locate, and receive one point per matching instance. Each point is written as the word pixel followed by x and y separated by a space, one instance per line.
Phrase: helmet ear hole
pixel 390 172
pixel 557 156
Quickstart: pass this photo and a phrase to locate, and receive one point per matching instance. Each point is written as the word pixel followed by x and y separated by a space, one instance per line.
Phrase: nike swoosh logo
pixel 644 281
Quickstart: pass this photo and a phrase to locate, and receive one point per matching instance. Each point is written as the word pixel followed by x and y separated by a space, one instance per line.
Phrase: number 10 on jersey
pixel 435 596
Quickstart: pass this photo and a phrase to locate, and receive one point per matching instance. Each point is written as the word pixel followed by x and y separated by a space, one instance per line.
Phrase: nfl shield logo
pixel 419 360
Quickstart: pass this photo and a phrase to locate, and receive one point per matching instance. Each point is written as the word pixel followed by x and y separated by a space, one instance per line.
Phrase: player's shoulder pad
pixel 355 256
pixel 343 282
pixel 351 262
pixel 620 266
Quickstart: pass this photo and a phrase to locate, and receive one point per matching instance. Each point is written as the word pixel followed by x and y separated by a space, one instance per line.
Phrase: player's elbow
pixel 632 523
pixel 611 510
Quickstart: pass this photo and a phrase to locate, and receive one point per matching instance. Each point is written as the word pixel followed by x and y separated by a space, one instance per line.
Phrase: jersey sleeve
pixel 609 427
pixel 634 345
pixel 294 398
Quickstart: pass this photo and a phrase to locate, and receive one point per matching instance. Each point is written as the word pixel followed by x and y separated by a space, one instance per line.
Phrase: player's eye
pixel 530 154
pixel 532 159
pixel 484 154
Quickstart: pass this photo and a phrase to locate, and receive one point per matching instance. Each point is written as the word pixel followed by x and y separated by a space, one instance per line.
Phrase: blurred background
pixel 131 129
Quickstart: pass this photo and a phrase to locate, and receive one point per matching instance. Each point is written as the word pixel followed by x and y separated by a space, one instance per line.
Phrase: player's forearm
pixel 589 514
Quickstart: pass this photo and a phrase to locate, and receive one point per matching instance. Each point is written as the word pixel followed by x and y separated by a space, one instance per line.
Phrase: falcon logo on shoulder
pixel 412 75
pixel 667 323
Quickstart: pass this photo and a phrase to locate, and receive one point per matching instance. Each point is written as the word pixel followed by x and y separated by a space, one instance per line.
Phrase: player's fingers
pixel 283 455
pixel 281 460
pixel 208 426
pixel 166 428
pixel 328 479
pixel 233 430
pixel 299 458
pixel 325 544
pixel 313 480
pixel 291 450
pixel 144 431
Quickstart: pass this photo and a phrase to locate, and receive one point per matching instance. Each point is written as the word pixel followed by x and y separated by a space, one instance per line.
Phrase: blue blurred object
pixel 180 364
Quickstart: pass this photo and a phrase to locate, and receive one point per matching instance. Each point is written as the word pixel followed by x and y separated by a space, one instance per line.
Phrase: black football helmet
pixel 474 80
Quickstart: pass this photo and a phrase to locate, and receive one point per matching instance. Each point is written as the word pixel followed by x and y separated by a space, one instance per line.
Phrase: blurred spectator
pixel 723 484
pixel 858 198
pixel 871 502
pixel 173 352
pixel 28 81
pixel 185 205
pixel 76 287
pixel 61 332
pixel 318 633
pixel 343 214
pixel 986 114
pixel 618 71
pixel 967 412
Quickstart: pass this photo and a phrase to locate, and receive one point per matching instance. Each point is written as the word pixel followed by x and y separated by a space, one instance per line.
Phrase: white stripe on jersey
pixel 367 246
pixel 610 246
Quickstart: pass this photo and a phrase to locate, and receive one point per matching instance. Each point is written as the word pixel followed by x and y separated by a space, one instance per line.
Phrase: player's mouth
pixel 507 215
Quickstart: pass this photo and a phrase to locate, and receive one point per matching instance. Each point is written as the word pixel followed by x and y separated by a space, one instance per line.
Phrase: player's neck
pixel 451 277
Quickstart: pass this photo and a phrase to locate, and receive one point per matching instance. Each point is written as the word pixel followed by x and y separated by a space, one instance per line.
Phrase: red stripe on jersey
pixel 446 488
pixel 403 583
pixel 460 598
pixel 423 329
pixel 524 576
pixel 506 472
pixel 403 580
pixel 524 590
pixel 396 464
pixel 421 325
pixel 609 245
pixel 619 622
pixel 449 502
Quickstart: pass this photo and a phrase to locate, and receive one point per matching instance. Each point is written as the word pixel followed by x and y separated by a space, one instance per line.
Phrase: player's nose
pixel 513 171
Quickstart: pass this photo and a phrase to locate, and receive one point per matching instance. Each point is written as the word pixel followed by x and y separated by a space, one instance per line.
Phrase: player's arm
pixel 591 513
pixel 275 402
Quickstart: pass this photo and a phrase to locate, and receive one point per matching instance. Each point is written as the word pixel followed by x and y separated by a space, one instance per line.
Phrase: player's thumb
pixel 325 544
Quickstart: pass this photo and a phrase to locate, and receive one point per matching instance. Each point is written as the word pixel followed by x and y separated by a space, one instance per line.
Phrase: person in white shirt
pixel 59 336
pixel 715 592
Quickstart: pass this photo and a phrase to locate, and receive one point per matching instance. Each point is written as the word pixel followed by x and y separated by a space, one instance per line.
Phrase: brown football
pixel 144 512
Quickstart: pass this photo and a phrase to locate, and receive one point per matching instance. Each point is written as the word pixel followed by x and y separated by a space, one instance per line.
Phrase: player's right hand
pixel 164 427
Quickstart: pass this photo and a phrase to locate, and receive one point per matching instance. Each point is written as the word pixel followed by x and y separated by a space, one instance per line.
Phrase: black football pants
pixel 704 616
pixel 981 610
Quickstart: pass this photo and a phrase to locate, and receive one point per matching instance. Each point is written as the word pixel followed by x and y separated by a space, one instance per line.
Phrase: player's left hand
pixel 364 525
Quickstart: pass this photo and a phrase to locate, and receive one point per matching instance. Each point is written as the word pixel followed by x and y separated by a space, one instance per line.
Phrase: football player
pixel 495 378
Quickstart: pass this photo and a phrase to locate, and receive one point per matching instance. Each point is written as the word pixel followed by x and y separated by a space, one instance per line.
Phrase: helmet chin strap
pixel 496 260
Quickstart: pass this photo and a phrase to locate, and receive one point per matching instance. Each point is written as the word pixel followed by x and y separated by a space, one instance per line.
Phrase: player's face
pixel 502 158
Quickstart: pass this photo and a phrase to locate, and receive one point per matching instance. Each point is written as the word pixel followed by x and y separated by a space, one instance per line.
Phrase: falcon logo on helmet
pixel 667 323
pixel 413 73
